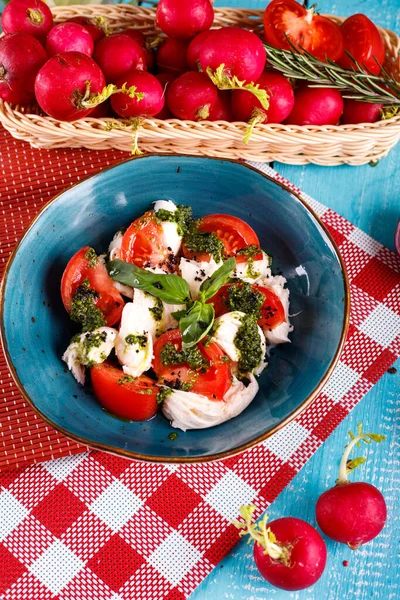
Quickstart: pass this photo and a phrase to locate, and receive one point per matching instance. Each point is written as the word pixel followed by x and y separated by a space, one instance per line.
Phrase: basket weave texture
pixel 328 145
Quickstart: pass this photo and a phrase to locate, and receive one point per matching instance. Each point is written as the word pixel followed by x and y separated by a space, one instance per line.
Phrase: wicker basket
pixel 329 145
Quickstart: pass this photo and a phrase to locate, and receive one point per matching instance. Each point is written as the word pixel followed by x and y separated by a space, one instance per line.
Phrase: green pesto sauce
pixel 91 256
pixel 200 241
pixel 182 217
pixel 126 379
pixel 248 342
pixel 84 310
pixel 250 251
pixel 172 436
pixel 139 340
pixel 171 356
pixel 146 392
pixel 163 394
pixel 245 299
pixel 157 310
pixel 92 340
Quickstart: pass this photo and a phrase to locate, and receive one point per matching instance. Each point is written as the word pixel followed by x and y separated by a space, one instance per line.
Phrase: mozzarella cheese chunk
pixel 91 347
pixel 115 246
pixel 187 410
pixel 278 335
pixel 134 344
pixel 145 303
pixel 196 272
pixel 172 238
pixel 226 328
pixel 259 268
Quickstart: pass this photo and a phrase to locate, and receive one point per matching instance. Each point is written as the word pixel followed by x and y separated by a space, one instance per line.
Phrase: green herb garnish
pixel 248 342
pixel 84 309
pixel 157 310
pixel 126 379
pixel 192 356
pixel 202 242
pixel 139 340
pixel 182 216
pixel 91 256
pixel 245 298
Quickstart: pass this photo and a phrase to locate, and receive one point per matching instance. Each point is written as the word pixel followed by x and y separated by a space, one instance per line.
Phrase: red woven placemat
pixel 99 527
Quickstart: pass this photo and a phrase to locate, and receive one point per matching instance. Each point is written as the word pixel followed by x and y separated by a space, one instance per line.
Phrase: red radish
pixel 360 112
pixel 222 109
pixel 316 106
pixel 193 51
pixel 184 20
pixel 289 553
pixel 171 56
pixel 27 16
pixel 352 513
pixel 21 57
pixel 102 111
pixel 69 37
pixel 165 79
pixel 240 51
pixel 96 26
pixel 151 90
pixel 192 96
pixel 280 98
pixel 67 85
pixel 117 54
pixel 140 38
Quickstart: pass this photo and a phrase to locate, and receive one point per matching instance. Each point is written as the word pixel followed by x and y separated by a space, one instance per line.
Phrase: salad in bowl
pixel 178 317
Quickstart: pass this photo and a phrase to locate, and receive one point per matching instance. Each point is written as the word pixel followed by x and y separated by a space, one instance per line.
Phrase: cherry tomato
pixel 272 311
pixel 213 381
pixel 320 36
pixel 143 243
pixel 134 400
pixel 364 42
pixel 234 233
pixel 78 269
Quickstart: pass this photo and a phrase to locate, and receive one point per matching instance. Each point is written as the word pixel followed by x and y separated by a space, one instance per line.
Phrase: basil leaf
pixel 171 289
pixel 179 314
pixel 195 325
pixel 210 286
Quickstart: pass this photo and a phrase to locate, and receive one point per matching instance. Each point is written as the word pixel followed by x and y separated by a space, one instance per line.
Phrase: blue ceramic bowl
pixel 36 328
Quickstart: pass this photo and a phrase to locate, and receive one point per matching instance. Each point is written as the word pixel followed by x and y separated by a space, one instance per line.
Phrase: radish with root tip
pixel 27 16
pixel 192 96
pixel 193 51
pixel 70 85
pixel 117 54
pixel 21 57
pixel 144 43
pixel 69 37
pixel 171 56
pixel 288 552
pixel 246 107
pixel 184 20
pixel 234 58
pixel 147 103
pixel 361 112
pixel 96 26
pixel 222 109
pixel 352 513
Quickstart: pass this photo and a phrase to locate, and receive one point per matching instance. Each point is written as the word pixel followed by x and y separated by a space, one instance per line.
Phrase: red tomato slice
pixel 318 35
pixel 234 233
pixel 213 383
pixel 136 400
pixel 364 42
pixel 78 269
pixel 272 311
pixel 143 244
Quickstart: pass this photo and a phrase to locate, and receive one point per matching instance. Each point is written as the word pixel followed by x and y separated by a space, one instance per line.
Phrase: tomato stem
pixel 347 466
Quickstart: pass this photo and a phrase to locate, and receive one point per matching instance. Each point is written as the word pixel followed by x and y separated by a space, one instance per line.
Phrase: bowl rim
pixel 178 459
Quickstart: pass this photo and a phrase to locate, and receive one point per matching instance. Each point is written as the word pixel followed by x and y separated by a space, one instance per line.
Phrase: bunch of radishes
pixel 195 73
pixel 291 554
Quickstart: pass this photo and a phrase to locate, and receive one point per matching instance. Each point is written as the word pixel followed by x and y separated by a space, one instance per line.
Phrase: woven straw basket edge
pixel 329 145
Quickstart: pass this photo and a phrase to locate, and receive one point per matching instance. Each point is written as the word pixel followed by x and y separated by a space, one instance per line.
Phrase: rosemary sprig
pixel 353 83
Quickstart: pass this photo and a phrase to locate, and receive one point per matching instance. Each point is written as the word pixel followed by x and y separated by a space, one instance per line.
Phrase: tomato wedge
pixel 272 310
pixel 364 42
pixel 79 269
pixel 287 19
pixel 212 380
pixel 143 243
pixel 232 231
pixel 128 398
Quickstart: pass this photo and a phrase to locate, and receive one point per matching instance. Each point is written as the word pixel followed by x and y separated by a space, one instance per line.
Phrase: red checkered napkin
pixel 97 527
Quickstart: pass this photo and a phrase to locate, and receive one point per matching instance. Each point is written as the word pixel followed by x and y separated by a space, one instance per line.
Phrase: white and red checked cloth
pixel 96 527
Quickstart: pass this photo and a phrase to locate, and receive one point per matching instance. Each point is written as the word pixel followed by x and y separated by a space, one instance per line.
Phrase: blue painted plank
pixel 370 198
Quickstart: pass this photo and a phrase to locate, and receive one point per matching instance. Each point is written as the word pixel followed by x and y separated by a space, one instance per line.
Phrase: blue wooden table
pixel 369 198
